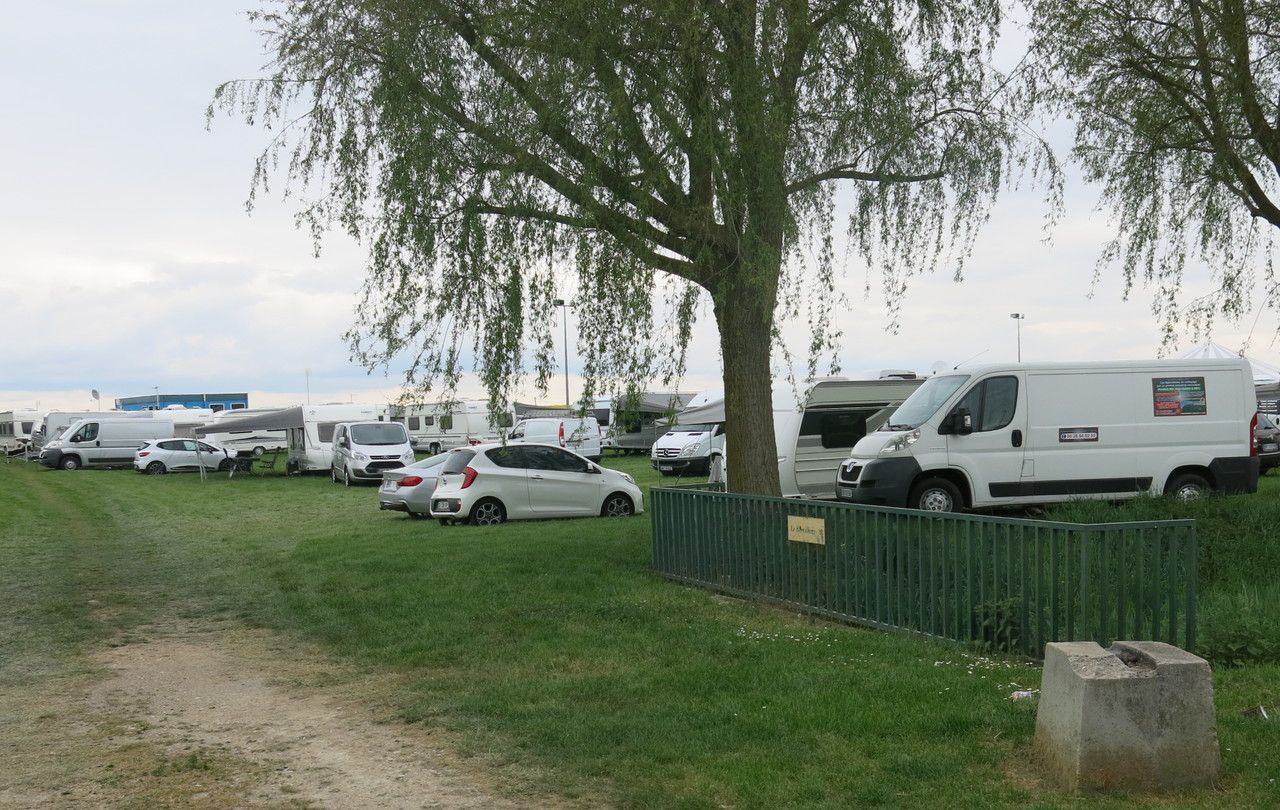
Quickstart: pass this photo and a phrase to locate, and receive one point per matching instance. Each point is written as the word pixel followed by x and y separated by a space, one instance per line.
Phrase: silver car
pixel 409 489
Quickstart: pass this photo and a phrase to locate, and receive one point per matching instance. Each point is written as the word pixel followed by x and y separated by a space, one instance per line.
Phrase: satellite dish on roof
pixel 94 394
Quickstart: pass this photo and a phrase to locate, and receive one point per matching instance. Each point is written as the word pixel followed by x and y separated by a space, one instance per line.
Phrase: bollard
pixel 1136 717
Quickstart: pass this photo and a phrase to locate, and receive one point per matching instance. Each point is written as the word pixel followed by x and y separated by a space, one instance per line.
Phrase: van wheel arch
pixel 955 477
pixel 1188 474
pixel 70 462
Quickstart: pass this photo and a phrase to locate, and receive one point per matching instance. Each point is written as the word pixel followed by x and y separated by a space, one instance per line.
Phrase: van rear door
pixel 992 454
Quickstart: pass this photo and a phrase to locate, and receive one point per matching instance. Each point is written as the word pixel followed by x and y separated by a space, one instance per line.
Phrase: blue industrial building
pixel 155 402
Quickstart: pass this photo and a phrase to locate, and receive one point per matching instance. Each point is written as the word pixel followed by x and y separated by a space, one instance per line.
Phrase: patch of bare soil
pixel 232 717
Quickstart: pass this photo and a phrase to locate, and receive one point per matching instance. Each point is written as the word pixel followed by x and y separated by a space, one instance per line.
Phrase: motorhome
pixel 103 442
pixel 1040 433
pixel 579 434
pixel 247 441
pixel 636 421
pixel 815 426
pixel 435 428
pixel 310 440
pixel 16 428
pixel 363 451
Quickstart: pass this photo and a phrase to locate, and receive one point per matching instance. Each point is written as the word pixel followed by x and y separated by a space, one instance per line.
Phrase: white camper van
pixel 692 439
pixel 16 428
pixel 247 441
pixel 1023 434
pixel 436 428
pixel 102 442
pixel 581 435
pixel 362 451
pixel 311 445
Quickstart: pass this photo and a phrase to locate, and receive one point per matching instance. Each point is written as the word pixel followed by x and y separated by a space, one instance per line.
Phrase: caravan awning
pixel 710 414
pixel 273 420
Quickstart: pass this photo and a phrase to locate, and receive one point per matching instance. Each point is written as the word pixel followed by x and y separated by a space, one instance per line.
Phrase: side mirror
pixel 75 439
pixel 961 422
pixel 593 469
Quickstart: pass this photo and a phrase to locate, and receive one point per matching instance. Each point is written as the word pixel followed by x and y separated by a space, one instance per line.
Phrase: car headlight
pixel 628 478
pixel 690 449
pixel 360 457
pixel 900 442
pixel 408 455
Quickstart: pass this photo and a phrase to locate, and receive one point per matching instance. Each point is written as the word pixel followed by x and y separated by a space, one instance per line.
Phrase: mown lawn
pixel 551 643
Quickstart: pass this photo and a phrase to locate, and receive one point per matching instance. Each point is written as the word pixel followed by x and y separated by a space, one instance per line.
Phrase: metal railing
pixel 1006 583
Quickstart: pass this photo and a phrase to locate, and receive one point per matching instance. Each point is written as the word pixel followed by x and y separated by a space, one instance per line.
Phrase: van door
pixel 991 455
pixel 86 443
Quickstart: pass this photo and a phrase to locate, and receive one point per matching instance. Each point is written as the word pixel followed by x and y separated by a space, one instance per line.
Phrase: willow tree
pixel 1177 105
pixel 642 153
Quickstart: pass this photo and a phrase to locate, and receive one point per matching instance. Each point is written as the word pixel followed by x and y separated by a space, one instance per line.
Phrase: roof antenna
pixel 975 357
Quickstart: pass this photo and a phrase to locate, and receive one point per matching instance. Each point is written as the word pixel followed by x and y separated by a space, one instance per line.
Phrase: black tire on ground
pixel 257 451
pixel 434 449
pixel 935 495
pixel 156 468
pixel 445 522
pixel 1187 486
pixel 70 463
pixel 618 505
pixel 488 512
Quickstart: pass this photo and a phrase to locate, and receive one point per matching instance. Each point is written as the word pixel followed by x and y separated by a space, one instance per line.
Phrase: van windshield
pixel 696 428
pixel 924 403
pixel 379 434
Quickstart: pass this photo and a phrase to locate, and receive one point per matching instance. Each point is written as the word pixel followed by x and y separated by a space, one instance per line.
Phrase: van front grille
pixel 666 452
pixel 849 472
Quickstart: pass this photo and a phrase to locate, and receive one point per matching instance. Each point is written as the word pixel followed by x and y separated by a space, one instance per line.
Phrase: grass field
pixel 550 643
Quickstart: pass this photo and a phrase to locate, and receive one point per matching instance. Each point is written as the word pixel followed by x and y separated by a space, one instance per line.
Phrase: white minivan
pixel 581 436
pixel 363 451
pixel 102 442
pixel 1025 434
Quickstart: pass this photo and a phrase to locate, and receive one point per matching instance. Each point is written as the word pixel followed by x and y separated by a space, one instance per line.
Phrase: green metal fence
pixel 1008 583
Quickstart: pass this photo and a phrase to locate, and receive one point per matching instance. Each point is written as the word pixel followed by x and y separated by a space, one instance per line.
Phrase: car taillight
pixel 409 481
pixel 1253 435
pixel 142 453
pixel 562 434
pixel 474 442
pixel 468 475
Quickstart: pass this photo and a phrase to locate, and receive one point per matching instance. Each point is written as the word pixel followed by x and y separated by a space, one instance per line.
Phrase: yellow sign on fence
pixel 807 530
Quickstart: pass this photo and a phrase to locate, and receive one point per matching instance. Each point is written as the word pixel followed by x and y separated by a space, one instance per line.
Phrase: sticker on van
pixel 1179 396
pixel 1078 434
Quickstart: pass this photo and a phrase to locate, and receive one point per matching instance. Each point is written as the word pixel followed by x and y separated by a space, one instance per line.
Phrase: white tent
pixel 1263 374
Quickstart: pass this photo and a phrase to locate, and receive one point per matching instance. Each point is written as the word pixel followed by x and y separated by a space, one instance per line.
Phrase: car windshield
pixel 695 428
pixel 924 403
pixel 379 434
pixel 457 461
pixel 430 461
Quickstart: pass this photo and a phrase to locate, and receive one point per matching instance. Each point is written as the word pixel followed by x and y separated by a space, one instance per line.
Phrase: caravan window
pixel 446 423
pixel 415 423
pixel 26 426
pixel 325 430
pixel 428 421
pixel 837 429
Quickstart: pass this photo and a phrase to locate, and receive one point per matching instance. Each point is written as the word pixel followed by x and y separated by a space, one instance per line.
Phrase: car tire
pixel 1187 486
pixel 258 451
pixel 156 468
pixel 935 495
pixel 434 449
pixel 488 512
pixel 446 522
pixel 70 463
pixel 619 504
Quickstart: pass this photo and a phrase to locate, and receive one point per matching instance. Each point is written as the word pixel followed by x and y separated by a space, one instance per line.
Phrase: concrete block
pixel 1138 716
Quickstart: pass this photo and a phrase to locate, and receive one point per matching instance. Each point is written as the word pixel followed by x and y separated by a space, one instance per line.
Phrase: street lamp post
pixel 1019 317
pixel 156 388
pixel 564 314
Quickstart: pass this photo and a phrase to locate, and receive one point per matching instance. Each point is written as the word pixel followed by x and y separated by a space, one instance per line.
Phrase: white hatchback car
pixel 491 483
pixel 160 456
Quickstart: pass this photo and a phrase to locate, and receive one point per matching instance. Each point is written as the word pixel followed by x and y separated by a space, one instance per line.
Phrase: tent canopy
pixel 268 420
pixel 1263 373
pixel 709 414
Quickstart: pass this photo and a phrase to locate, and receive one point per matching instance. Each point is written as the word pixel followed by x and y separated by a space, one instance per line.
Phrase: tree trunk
pixel 744 314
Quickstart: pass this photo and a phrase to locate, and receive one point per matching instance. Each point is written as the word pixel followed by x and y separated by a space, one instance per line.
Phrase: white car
pixel 491 483
pixel 160 456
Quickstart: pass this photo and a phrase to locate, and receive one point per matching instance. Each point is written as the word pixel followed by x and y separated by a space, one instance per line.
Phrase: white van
pixel 311 444
pixel 1024 434
pixel 362 451
pixel 102 442
pixel 582 436
pixel 55 423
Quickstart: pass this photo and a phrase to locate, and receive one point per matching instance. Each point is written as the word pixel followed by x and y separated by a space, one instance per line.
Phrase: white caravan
pixel 311 444
pixel 582 436
pixel 1024 434
pixel 362 451
pixel 103 442
pixel 436 428
pixel 816 424
pixel 247 442
pixel 16 428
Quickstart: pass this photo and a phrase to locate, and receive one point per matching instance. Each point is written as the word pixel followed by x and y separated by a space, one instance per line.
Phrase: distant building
pixel 155 402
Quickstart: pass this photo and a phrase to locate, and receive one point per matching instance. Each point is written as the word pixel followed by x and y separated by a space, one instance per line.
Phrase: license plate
pixel 388 486
pixel 846 492
pixel 664 468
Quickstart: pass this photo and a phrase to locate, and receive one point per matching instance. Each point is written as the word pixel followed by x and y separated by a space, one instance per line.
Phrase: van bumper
pixel 682 466
pixel 1234 475
pixel 883 482
pixel 51 458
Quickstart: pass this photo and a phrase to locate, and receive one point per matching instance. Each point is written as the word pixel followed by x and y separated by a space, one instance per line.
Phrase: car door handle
pixel 1017 438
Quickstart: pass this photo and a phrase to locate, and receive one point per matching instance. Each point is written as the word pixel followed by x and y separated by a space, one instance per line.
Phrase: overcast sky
pixel 127 260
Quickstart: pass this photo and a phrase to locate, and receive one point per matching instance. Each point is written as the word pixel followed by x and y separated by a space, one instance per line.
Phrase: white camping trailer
pixel 311 444
pixel 440 427
pixel 246 441
pixel 16 428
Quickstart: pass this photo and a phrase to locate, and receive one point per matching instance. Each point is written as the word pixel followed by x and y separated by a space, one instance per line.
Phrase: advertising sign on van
pixel 1179 396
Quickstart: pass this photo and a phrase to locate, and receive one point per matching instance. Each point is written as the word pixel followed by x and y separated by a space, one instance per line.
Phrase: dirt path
pixel 234 717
